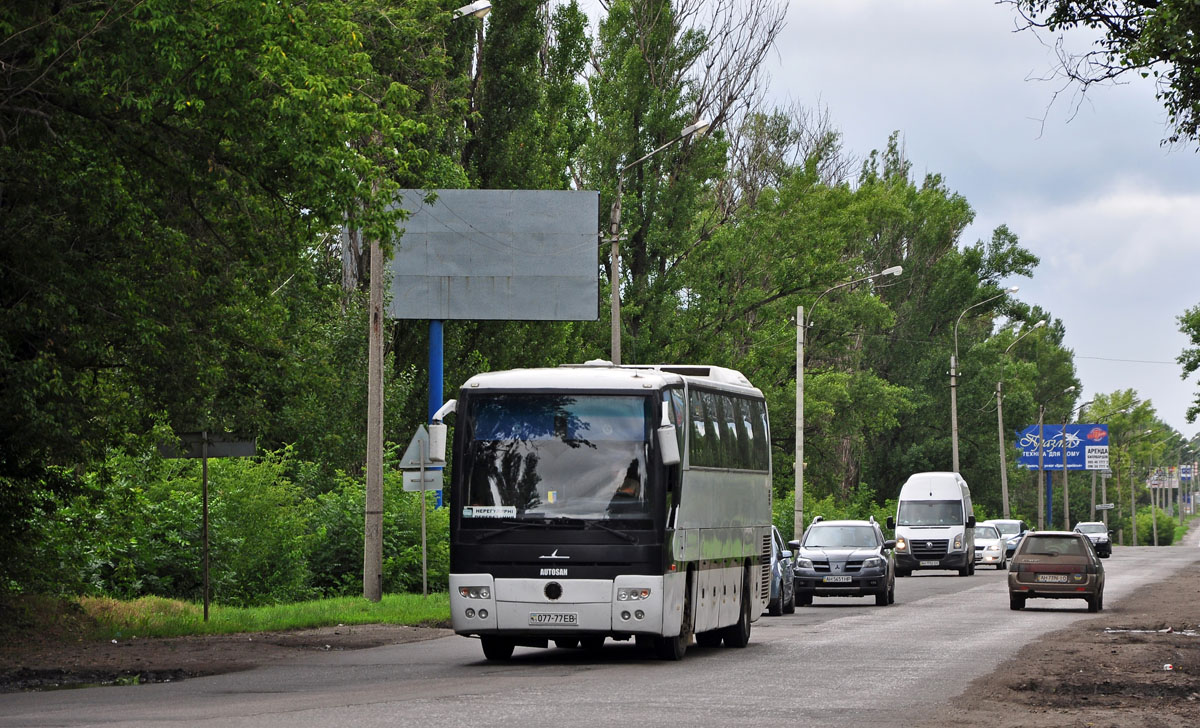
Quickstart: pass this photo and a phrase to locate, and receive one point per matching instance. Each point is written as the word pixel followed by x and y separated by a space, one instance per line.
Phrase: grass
pixel 157 617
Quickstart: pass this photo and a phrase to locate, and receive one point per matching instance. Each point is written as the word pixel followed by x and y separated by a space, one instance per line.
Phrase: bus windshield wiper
pixel 595 524
pixel 508 526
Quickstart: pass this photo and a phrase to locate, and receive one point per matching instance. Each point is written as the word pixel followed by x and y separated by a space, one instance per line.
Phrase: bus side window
pixel 745 436
pixel 758 424
pixel 712 431
pixel 699 453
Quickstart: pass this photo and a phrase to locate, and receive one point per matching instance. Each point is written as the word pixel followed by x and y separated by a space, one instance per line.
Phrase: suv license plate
pixel 567 618
pixel 1052 578
pixel 930 563
pixel 841 578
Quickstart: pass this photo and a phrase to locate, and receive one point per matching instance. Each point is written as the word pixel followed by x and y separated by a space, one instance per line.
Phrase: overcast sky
pixel 1085 185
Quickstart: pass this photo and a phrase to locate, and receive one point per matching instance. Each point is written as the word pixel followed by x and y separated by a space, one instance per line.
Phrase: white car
pixel 1011 529
pixel 990 546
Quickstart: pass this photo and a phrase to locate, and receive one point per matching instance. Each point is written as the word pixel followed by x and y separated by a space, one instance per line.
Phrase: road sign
pixel 1086 446
pixel 416 456
pixel 412 480
pixel 1104 506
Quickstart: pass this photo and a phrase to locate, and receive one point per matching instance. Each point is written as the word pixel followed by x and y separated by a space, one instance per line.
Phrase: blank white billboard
pixel 521 255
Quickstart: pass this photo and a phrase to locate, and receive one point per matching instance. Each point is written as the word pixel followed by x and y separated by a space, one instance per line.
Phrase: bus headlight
pixel 474 592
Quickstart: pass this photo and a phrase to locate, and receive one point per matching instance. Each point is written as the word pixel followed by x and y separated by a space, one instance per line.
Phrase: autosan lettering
pixel 552 571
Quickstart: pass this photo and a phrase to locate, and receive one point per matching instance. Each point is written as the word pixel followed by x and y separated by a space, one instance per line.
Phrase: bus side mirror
pixel 668 444
pixel 437 432
pixel 437 443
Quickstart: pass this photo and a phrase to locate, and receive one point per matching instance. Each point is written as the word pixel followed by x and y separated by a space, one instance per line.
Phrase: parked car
pixel 1098 532
pixel 783 585
pixel 1012 530
pixel 844 559
pixel 1056 565
pixel 989 546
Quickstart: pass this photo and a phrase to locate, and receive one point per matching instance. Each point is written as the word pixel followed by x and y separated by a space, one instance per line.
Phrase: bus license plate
pixel 930 563
pixel 1052 578
pixel 564 618
pixel 841 578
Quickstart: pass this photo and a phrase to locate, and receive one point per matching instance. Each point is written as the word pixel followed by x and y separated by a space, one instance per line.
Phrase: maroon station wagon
pixel 1056 565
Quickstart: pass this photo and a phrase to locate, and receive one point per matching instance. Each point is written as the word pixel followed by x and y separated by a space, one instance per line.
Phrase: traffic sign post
pixel 414 463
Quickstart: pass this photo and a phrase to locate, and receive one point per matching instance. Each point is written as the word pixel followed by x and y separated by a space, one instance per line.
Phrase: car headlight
pixel 803 563
pixel 993 547
pixel 873 563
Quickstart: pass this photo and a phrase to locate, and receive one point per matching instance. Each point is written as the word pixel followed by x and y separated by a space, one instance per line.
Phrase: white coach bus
pixel 595 501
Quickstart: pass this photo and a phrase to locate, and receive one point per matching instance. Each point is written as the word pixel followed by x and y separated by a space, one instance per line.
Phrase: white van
pixel 934 524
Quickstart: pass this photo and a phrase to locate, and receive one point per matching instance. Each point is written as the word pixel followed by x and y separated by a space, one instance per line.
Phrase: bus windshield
pixel 930 513
pixel 547 456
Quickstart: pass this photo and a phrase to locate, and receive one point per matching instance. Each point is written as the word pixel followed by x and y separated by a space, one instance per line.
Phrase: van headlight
pixel 901 544
pixel 958 542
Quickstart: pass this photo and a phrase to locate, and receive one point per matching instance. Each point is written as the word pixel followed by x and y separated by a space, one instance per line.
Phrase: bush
pixel 860 507
pixel 1166 528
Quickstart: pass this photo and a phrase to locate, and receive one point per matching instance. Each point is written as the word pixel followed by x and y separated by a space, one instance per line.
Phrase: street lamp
pixel 1066 487
pixel 954 375
pixel 476 9
pixel 802 324
pixel 615 234
pixel 1000 418
pixel 1041 490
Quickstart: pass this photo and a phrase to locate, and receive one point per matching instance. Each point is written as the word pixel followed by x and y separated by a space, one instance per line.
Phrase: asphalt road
pixel 841 662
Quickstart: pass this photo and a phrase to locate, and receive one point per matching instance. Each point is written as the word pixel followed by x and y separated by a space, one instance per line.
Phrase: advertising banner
pixel 1086 447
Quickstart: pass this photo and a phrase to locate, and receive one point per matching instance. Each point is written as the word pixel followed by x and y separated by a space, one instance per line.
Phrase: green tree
pixel 1189 359
pixel 1157 39
pixel 166 167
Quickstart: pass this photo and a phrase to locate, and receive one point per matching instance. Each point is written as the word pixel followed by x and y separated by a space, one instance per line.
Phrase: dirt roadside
pixel 1106 671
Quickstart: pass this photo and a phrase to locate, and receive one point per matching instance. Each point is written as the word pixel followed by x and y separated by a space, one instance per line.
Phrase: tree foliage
pixel 1157 39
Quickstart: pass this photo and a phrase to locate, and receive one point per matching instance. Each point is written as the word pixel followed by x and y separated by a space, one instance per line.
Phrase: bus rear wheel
pixel 497 648
pixel 738 635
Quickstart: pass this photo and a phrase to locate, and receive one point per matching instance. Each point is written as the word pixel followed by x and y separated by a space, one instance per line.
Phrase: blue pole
pixel 436 374
pixel 1049 498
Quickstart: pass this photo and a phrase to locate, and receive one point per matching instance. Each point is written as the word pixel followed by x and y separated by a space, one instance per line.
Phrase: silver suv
pixel 1099 535
pixel 844 559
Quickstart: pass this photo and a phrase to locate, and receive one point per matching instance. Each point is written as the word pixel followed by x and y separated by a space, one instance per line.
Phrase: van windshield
pixel 930 513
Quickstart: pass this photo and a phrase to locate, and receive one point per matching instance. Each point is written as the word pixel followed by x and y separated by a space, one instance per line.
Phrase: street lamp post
pixel 954 375
pixel 1066 486
pixel 373 493
pixel 1000 419
pixel 802 324
pixel 614 223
